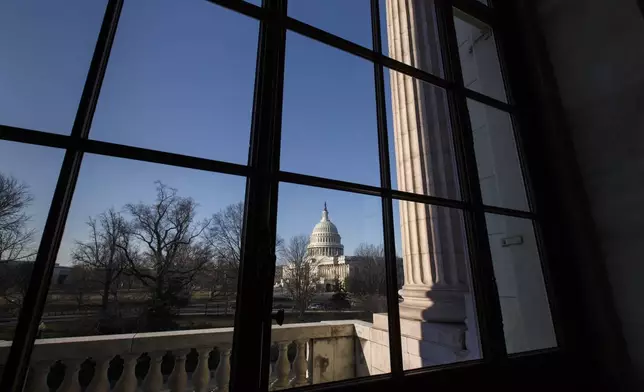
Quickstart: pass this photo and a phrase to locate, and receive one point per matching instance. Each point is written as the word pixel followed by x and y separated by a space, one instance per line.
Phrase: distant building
pixel 325 252
pixel 279 276
pixel 61 274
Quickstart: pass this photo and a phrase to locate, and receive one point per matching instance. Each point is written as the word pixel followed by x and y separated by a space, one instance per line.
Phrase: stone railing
pixel 189 360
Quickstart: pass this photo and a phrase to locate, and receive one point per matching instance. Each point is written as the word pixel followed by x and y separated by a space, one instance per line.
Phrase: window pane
pixel 150 250
pixel 524 303
pixel 350 20
pixel 438 320
pixel 46 51
pixel 28 176
pixel 479 58
pixel 496 156
pixel 182 84
pixel 420 137
pixel 409 34
pixel 329 242
pixel 329 117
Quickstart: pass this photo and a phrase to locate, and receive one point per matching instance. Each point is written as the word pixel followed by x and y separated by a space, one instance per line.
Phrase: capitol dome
pixel 325 239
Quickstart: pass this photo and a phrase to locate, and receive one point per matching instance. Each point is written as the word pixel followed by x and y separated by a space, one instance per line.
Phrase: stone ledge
pixel 99 346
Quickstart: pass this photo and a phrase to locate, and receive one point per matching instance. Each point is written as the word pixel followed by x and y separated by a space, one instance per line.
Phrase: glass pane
pixel 350 20
pixel 46 51
pixel 420 137
pixel 327 241
pixel 28 176
pixel 527 322
pixel 479 58
pixel 409 34
pixel 150 250
pixel 496 157
pixel 329 113
pixel 437 315
pixel 183 83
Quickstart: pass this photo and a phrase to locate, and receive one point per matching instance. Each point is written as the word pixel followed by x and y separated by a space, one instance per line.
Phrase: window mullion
pixel 395 346
pixel 488 306
pixel 251 337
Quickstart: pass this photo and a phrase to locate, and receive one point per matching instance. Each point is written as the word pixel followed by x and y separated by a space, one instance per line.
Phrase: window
pixel 169 87
pixel 363 215
pixel 43 70
pixel 27 183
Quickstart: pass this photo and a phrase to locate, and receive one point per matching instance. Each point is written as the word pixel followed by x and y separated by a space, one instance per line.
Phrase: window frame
pixel 263 174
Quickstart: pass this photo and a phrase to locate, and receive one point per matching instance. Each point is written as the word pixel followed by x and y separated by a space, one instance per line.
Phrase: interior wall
pixel 596 49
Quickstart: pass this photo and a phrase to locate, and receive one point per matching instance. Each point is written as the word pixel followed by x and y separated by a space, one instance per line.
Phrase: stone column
pixel 433 243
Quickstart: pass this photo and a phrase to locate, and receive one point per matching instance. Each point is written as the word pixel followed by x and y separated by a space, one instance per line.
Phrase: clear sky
pixel 180 79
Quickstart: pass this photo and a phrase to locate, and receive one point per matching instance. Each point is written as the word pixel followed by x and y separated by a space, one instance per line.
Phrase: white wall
pixel 597 51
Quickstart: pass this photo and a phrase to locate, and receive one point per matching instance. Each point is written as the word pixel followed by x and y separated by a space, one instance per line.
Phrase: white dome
pixel 325 227
pixel 325 239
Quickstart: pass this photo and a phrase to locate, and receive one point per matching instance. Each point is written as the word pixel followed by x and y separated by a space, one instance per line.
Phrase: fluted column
pixel 432 237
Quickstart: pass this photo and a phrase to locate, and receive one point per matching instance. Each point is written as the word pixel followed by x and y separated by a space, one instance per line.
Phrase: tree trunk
pixel 159 289
pixel 106 294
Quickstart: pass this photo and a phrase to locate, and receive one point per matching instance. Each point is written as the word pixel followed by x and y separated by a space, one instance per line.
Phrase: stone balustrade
pixel 188 360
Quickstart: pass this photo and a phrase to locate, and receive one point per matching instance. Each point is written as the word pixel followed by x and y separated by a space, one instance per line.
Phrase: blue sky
pixel 180 79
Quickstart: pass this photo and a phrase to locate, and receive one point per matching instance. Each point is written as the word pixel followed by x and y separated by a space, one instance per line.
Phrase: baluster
pixel 70 382
pixel 179 378
pixel 127 382
pixel 201 376
pixel 100 382
pixel 282 366
pixel 300 364
pixel 222 374
pixel 153 381
pixel 37 377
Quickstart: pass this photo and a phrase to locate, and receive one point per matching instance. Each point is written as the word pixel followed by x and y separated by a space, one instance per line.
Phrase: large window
pixel 260 196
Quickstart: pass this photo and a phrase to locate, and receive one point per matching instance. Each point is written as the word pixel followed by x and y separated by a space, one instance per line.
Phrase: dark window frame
pixel 252 327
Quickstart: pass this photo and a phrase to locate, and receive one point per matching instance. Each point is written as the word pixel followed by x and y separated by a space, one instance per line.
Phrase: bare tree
pixel 369 277
pixel 300 277
pixel 368 280
pixel 103 254
pixel 80 283
pixel 14 281
pixel 162 247
pixel 224 237
pixel 16 239
pixel 225 233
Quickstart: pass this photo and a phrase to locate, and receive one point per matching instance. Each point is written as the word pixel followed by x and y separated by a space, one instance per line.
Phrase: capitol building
pixel 325 252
